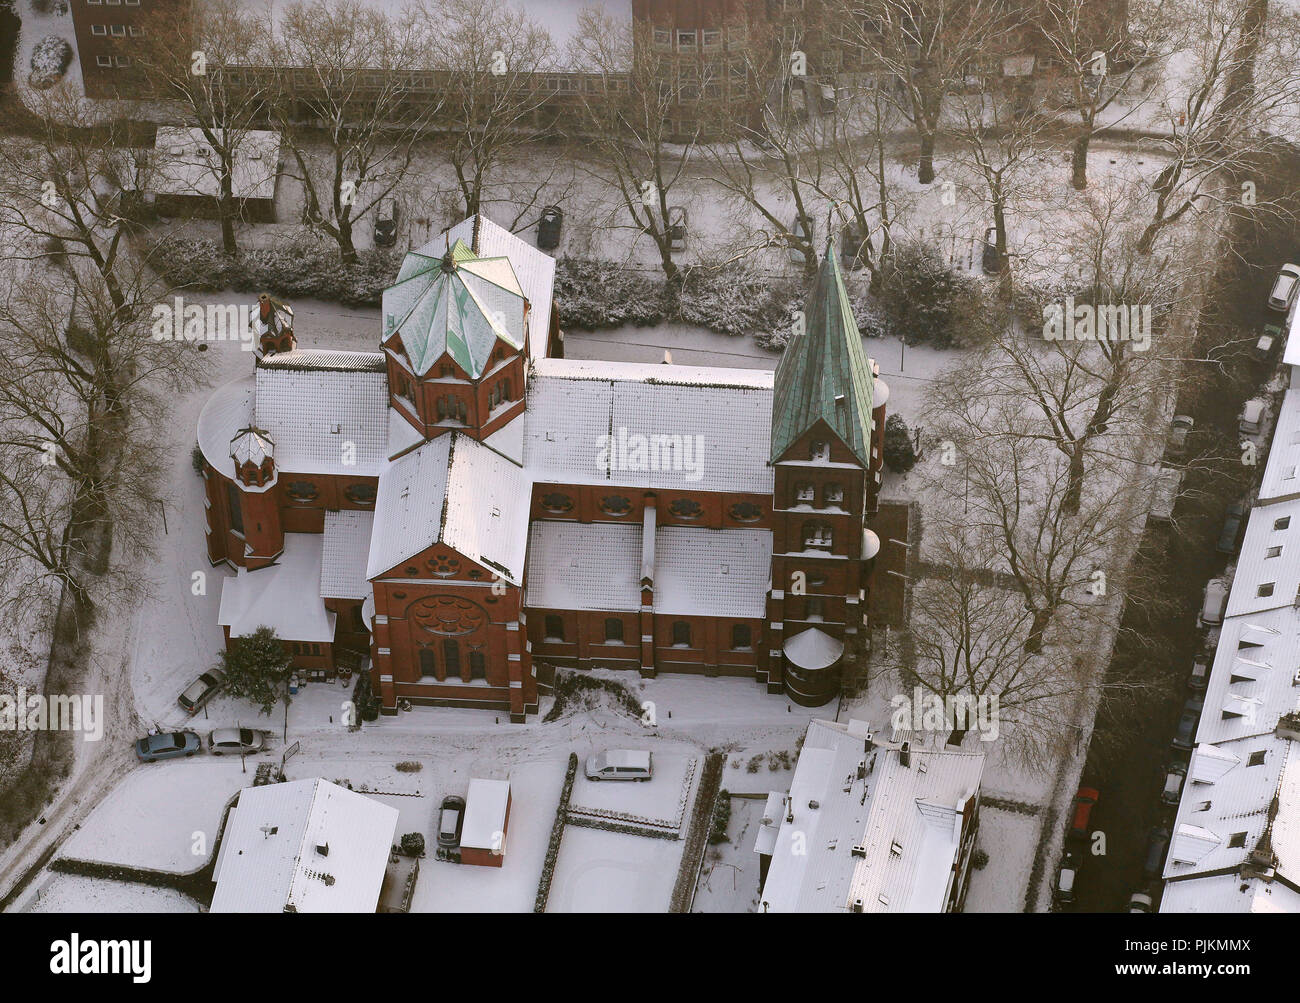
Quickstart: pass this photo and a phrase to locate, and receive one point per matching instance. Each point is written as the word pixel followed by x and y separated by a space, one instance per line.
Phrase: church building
pixel 464 509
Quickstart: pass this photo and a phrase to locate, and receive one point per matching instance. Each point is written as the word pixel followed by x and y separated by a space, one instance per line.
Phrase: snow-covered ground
pixel 729 879
pixel 73 893
pixel 613 872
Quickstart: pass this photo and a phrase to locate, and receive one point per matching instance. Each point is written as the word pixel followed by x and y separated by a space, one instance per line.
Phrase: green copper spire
pixel 824 362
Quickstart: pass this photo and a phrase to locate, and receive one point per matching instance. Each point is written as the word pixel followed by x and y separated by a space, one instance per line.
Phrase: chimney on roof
pixel 905 755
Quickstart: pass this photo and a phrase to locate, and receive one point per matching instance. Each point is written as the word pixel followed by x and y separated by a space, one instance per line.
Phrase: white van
pixel 619 764
pixel 1216 600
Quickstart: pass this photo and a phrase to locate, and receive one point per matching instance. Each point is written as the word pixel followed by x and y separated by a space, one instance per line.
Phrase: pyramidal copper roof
pixel 824 363
pixel 457 304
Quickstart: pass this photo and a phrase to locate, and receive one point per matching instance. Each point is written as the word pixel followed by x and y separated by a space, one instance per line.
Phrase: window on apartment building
pixel 117 30
pixel 686 40
pixel 98 29
pixel 1256 758
pixel 1265 590
pixel 681 634
pixel 1273 552
pixel 803 491
pixel 121 61
pixel 95 3
pixel 554 627
pixel 834 494
pixel 103 60
pixel 236 511
pixel 741 636
pixel 136 31
pixel 113 3
pixel 132 3
pixel 1282 523
pixel 663 38
pixel 613 630
pixel 712 37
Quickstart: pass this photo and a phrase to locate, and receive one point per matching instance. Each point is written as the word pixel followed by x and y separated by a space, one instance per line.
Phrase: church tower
pixel 455 342
pixel 827 440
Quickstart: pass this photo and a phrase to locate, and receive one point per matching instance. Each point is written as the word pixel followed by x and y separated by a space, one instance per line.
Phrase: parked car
pixel 676 228
pixel 1282 295
pixel 1083 802
pixel 854 246
pixel 1157 845
pixel 549 226
pixel 1267 342
pixel 1179 429
pixel 450 819
pixel 1139 902
pixel 619 764
pixel 1065 877
pixel 1251 414
pixel 236 741
pixel 1175 774
pixel 1231 528
pixel 989 257
pixel 801 229
pixel 1216 600
pixel 1185 736
pixel 167 745
pixel 201 691
pixel 1199 677
pixel 386 220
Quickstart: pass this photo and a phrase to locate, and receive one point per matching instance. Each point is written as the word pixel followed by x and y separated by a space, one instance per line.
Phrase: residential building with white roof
pixel 1235 845
pixel 464 504
pixel 871 825
pixel 303 846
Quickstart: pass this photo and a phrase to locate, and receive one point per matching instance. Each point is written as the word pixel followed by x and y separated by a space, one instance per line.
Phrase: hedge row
pixel 557 833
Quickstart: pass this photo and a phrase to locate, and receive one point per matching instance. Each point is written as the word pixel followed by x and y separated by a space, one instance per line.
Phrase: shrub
pixel 366 702
pixel 413 844
pixel 304 268
pixel 721 816
pixel 196 460
pixel 409 766
pixel 979 860
pixel 593 294
pixel 900 456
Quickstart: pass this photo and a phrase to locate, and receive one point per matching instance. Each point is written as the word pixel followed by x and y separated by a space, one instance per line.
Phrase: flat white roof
pixel 486 805
pixel 285 595
pixel 185 164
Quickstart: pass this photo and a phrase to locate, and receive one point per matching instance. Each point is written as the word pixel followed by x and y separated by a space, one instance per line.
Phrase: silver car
pixel 201 691
pixel 1283 292
pixel 236 741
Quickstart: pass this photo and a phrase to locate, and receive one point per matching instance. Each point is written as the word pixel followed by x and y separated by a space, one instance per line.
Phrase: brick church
pixel 464 509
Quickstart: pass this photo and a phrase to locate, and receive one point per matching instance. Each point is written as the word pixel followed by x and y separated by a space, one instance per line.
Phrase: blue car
pixel 168 745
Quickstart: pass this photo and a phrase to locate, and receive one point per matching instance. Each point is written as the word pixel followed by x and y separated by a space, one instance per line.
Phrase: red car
pixel 1083 802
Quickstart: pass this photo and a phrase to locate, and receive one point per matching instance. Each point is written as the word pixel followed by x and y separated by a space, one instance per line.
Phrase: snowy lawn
pixel 729 880
pixel 163 816
pixel 72 893
pixel 614 872
pixel 1009 838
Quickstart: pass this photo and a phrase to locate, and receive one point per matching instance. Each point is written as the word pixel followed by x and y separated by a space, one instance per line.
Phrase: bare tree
pixel 493 57
pixel 927 46
pixel 207 57
pixel 1098 58
pixel 968 634
pixel 1243 80
pixel 627 114
pixel 346 107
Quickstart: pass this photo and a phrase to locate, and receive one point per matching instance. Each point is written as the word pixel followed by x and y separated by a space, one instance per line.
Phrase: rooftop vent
pixel 896 848
pixel 270 830
pixel 858 905
pixel 905 755
pixel 814 805
pixel 323 849
pixel 859 850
